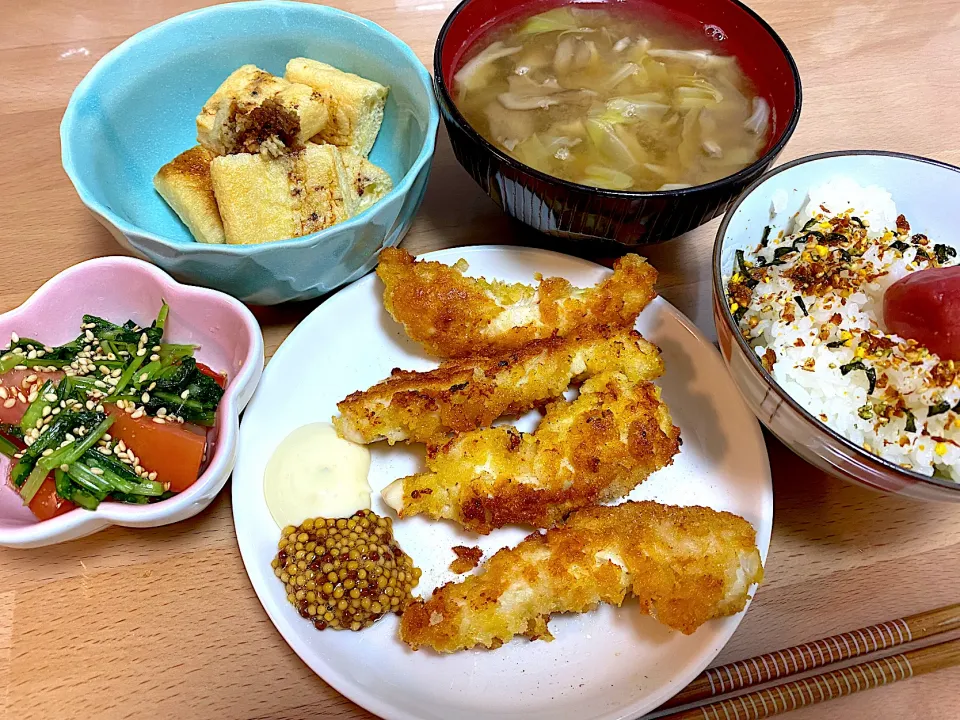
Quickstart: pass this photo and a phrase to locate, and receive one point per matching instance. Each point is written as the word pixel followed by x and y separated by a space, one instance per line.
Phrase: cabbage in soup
pixel 612 101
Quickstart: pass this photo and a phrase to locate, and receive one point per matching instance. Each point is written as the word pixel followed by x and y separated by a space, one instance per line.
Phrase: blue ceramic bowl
pixel 136 109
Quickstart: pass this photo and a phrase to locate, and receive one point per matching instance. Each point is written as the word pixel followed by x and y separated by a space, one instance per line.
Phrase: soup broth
pixel 612 100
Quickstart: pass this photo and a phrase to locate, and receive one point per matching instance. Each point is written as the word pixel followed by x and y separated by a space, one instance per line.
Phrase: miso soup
pixel 612 100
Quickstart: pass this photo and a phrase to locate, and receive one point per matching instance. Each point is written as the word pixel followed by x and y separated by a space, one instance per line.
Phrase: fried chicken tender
pixel 471 393
pixel 589 451
pixel 455 316
pixel 685 566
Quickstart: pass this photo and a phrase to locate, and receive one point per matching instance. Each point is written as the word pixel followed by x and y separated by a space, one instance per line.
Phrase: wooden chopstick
pixel 827 686
pixel 801 658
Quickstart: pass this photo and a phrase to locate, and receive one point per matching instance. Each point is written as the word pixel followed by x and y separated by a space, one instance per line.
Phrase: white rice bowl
pixel 903 420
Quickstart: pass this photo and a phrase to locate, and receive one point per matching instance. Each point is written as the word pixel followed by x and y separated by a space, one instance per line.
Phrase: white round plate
pixel 610 663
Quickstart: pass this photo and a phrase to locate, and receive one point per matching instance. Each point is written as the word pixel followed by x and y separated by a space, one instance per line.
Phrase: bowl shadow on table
pixel 818 508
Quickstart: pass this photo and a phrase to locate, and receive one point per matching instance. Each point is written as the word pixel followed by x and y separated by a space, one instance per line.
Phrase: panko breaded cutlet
pixel 685 566
pixel 453 316
pixel 592 450
pixel 471 393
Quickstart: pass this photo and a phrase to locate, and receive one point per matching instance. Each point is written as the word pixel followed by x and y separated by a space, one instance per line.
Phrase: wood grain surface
pixel 153 623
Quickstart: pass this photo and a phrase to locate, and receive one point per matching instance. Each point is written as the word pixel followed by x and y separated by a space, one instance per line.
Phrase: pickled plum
pixel 925 306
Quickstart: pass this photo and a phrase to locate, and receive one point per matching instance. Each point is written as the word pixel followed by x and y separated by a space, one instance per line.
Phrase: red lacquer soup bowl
pixel 580 212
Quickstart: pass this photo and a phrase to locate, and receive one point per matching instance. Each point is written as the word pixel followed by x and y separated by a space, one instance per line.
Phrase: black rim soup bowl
pixel 579 212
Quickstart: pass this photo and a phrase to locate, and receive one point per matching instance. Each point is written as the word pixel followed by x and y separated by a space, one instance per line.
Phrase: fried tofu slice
pixel 254 111
pixel 185 184
pixel 467 394
pixel 264 199
pixel 355 104
pixel 453 316
pixel 593 450
pixel 370 182
pixel 685 565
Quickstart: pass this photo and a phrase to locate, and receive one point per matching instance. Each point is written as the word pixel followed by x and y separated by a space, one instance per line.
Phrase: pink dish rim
pixel 239 389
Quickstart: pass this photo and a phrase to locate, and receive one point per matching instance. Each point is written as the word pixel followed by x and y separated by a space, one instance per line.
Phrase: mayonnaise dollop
pixel 316 473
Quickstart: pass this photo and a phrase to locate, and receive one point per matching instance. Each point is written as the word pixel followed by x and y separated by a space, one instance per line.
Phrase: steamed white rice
pixel 810 355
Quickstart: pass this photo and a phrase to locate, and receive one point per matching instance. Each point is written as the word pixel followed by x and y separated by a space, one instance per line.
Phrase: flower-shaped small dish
pixel 117 289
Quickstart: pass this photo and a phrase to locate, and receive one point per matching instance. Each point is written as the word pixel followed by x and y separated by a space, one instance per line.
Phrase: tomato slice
pixel 171 450
pixel 220 378
pixel 47 504
pixel 13 383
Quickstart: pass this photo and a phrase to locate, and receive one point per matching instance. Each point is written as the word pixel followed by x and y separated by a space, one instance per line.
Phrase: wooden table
pixel 148 623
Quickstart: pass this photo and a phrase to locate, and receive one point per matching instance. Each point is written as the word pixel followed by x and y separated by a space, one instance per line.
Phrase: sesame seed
pixel 161 412
pixel 159 420
pixel 32 397
pixel 154 357
pixel 64 467
pixel 104 370
pixel 39 423
pixel 69 437
pixel 137 469
pixel 137 414
pixel 47 349
pixel 21 397
pixel 152 476
pixel 32 355
pixel 3 392
pixel 50 397
pixel 96 471
pixel 18 351
pixel 144 338
pixel 45 411
pixel 117 372
pixel 47 453
pixel 145 398
pixel 28 440
pixel 19 367
pixel 31 378
pixel 104 450
pixel 55 411
pixel 155 348
pixel 88 404
pixel 10 402
pixel 107 437
pixel 151 386
pixel 185 394
pixel 99 408
pixel 89 336
pixel 143 377
pixel 130 407
pixel 99 384
pixel 121 445
pixel 141 352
